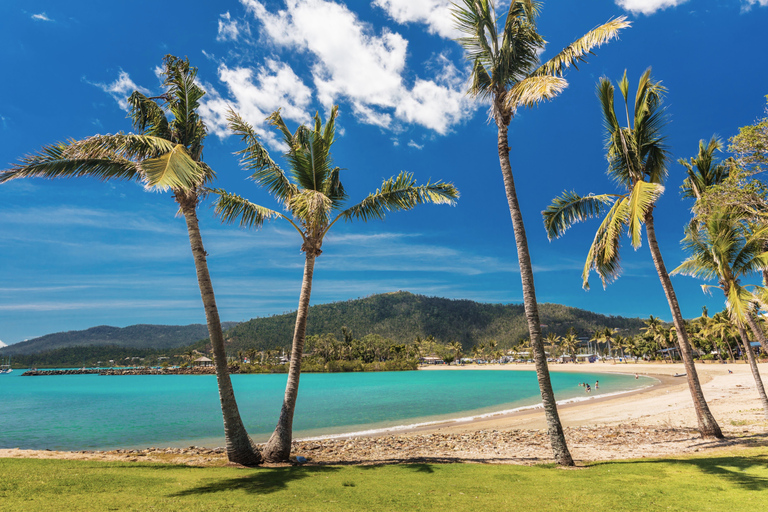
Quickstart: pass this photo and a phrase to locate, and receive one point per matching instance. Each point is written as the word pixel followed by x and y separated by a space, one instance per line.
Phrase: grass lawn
pixel 733 482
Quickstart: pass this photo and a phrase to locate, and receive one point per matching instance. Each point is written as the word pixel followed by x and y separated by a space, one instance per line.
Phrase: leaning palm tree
pixel 725 248
pixel 313 200
pixel 165 154
pixel 507 72
pixel 637 162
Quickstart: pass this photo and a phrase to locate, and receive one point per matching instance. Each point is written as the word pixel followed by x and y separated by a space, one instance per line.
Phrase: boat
pixel 6 368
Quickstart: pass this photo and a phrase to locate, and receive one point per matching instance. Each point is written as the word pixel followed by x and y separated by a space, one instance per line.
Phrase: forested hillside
pixel 134 336
pixel 401 316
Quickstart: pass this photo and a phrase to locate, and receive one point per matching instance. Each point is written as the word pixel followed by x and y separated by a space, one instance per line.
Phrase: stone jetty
pixel 194 370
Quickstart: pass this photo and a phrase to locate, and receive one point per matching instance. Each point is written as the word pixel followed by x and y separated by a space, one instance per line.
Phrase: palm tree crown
pixel 637 162
pixel 312 192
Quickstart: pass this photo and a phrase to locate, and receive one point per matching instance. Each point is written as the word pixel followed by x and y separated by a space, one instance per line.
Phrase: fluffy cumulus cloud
pixel 648 7
pixel 435 14
pixel 121 88
pixel 254 95
pixel 749 3
pixel 353 62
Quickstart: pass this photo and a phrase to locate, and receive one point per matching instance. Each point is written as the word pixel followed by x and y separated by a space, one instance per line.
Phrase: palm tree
pixel 703 171
pixel 313 198
pixel 726 249
pixel 507 72
pixel 165 154
pixel 570 343
pixel 637 161
pixel 455 348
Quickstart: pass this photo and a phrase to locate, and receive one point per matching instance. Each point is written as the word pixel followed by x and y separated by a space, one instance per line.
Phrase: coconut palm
pixel 313 199
pixel 637 162
pixel 570 343
pixel 508 73
pixel 455 348
pixel 165 154
pixel 725 248
pixel 703 171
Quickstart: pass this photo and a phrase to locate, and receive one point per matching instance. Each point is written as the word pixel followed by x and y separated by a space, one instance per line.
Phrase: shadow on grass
pixel 265 481
pixel 731 469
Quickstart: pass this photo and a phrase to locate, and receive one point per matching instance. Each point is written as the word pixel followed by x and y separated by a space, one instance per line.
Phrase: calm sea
pixel 86 412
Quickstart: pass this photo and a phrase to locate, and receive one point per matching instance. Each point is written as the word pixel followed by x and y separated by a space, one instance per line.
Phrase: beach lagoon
pixel 92 412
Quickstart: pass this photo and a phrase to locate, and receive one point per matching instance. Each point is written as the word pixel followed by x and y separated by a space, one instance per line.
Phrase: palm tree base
pixel 277 449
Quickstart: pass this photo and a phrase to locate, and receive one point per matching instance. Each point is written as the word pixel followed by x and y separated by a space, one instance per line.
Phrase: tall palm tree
pixel 165 154
pixel 726 249
pixel 637 161
pixel 313 199
pixel 508 73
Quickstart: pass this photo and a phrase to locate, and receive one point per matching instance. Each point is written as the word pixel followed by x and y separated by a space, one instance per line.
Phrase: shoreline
pixel 655 421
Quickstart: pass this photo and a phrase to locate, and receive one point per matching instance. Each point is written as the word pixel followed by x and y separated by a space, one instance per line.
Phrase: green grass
pixel 733 483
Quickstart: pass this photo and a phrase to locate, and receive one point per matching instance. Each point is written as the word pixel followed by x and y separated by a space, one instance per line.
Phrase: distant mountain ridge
pixel 133 336
pixel 401 316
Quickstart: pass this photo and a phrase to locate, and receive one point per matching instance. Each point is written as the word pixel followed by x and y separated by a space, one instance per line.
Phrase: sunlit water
pixel 79 412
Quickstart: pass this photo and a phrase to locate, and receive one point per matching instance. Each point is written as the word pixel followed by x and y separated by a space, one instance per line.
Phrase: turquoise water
pixel 86 412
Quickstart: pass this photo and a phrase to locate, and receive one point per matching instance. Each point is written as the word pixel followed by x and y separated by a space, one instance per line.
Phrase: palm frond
pixel 400 193
pixel 577 50
pixel 54 161
pixel 641 200
pixel 233 208
pixel 254 157
pixel 603 255
pixel 173 170
pixel 312 208
pixel 147 116
pixel 571 208
pixel 530 91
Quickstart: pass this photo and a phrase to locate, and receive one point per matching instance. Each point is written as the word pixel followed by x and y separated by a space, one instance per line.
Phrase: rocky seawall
pixel 196 370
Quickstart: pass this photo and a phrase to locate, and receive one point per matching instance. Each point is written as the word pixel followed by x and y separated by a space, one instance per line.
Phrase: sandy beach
pixel 654 422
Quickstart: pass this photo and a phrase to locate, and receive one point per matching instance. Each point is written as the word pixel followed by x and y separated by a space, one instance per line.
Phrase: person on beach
pixel 597 384
pixel 589 389
pixel 729 371
pixel 636 377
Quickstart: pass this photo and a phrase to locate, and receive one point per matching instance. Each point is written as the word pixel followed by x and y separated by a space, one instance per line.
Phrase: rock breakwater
pixel 196 370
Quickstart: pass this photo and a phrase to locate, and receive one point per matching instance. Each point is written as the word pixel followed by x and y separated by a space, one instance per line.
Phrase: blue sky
pixel 79 253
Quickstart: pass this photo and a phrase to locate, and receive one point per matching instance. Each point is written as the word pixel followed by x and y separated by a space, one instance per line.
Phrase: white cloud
pixel 649 7
pixel 41 17
pixel 121 88
pixel 229 29
pixel 413 144
pixel 749 3
pixel 436 14
pixel 256 94
pixel 366 68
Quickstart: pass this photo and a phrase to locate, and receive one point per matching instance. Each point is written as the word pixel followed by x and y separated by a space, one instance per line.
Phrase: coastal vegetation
pixel 507 72
pixel 638 163
pixel 733 480
pixel 165 153
pixel 314 198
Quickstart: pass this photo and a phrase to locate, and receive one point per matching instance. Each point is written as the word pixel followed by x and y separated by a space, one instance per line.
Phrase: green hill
pixel 134 336
pixel 401 316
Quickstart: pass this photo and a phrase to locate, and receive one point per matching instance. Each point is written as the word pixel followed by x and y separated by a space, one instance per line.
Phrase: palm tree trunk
pixel 556 435
pixel 240 447
pixel 278 447
pixel 758 332
pixel 755 371
pixel 708 426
